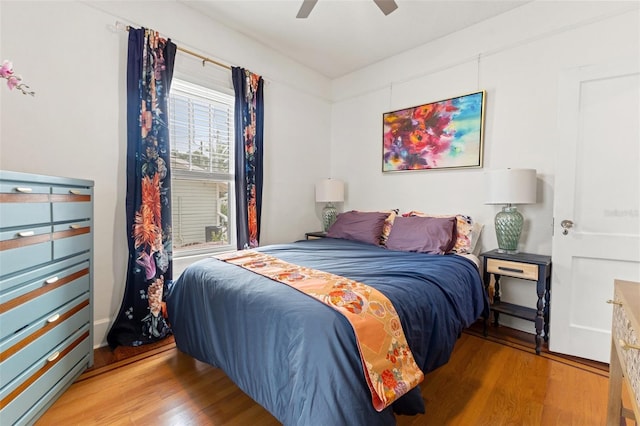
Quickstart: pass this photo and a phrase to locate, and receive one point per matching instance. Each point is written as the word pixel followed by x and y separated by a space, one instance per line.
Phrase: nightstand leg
pixel 540 323
pixel 486 278
pixel 496 300
pixel 547 309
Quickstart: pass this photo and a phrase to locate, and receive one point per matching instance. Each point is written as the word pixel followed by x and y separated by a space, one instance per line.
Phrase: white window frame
pixel 225 96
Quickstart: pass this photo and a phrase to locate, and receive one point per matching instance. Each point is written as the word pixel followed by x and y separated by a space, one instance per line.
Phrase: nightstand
pixel 525 266
pixel 314 235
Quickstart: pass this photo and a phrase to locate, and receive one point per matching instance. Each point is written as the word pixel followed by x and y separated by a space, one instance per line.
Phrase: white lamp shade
pixel 330 191
pixel 511 186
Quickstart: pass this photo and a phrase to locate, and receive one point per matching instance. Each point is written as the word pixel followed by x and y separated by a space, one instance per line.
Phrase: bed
pixel 297 357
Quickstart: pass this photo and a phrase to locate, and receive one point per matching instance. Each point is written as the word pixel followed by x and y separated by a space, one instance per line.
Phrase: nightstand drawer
pixel 513 269
pixel 315 235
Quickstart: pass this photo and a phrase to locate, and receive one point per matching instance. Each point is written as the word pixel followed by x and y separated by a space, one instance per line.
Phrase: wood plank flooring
pixel 484 383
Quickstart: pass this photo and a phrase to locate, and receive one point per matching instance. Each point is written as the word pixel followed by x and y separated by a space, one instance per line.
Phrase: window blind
pixel 201 128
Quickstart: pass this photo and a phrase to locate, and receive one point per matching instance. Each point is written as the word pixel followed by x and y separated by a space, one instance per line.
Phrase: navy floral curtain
pixel 141 319
pixel 249 119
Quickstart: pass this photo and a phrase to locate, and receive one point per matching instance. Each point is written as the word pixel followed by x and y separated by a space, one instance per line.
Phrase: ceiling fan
pixel 386 6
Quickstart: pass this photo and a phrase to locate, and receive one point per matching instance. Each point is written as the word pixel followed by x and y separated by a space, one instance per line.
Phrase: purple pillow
pixel 423 234
pixel 358 226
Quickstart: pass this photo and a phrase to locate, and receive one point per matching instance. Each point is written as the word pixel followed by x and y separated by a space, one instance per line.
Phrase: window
pixel 202 162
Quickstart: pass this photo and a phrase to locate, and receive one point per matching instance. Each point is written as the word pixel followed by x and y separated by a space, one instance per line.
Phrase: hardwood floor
pixel 484 383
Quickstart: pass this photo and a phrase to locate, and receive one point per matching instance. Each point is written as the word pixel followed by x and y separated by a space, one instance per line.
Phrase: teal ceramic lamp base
pixel 508 224
pixel 329 214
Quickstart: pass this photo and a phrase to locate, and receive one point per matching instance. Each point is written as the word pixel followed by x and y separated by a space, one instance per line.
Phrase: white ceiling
pixel 341 36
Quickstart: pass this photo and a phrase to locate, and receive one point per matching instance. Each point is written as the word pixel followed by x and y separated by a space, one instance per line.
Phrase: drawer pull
pixel 54 318
pixel 504 268
pixel 624 345
pixel 26 234
pixel 75 192
pixel 614 302
pixel 51 280
pixel 24 190
pixel 53 356
pixel 75 226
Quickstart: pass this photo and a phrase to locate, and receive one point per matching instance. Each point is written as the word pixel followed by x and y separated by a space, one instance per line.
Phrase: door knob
pixel 566 225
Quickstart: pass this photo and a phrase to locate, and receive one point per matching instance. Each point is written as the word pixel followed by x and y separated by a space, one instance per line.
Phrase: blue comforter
pixel 298 357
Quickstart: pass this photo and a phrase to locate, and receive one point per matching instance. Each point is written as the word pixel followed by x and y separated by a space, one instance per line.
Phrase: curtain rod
pixel 187 51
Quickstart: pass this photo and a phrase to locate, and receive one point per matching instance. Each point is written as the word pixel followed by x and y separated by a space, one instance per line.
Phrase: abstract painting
pixel 445 134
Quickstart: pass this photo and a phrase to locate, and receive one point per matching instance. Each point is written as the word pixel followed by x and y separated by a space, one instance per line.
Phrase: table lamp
pixel 510 187
pixel 329 191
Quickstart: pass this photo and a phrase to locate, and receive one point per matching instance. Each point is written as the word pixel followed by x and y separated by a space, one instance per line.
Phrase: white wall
pixel 72 55
pixel 517 58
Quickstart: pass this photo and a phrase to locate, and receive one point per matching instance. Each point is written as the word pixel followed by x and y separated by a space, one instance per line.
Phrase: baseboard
pixel 100 331
pixel 106 359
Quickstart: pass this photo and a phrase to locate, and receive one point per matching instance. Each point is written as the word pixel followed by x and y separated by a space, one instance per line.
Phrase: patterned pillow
pixel 386 227
pixel 464 228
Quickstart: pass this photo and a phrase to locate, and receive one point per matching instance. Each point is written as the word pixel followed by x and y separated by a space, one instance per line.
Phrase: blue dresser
pixel 46 287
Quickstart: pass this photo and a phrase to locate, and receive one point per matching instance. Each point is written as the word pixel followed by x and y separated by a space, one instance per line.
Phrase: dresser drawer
pixel 24 248
pixel 69 227
pixel 24 348
pixel 71 204
pixel 71 238
pixel 28 389
pixel 23 305
pixel 40 272
pixel 513 269
pixel 83 192
pixel 23 236
pixel 24 204
pixel 24 189
pixel 17 215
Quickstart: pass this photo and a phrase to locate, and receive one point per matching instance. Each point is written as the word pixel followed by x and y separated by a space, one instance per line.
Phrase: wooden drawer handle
pixel 54 318
pixel 614 302
pixel 624 345
pixel 24 190
pixel 504 268
pixel 26 234
pixel 51 280
pixel 53 356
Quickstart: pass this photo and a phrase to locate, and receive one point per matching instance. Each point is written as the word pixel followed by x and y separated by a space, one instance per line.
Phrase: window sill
pixel 184 259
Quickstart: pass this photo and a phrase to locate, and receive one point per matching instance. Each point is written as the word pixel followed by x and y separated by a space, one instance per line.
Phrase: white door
pixel 597 188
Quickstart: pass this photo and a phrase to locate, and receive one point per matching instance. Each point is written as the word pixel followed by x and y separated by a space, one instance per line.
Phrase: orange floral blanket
pixel 388 363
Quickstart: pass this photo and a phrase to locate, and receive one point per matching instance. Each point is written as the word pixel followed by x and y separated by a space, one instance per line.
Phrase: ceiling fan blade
pixel 386 6
pixel 306 8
